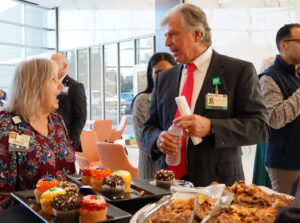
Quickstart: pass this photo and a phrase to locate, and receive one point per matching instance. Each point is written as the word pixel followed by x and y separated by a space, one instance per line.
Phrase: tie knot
pixel 190 67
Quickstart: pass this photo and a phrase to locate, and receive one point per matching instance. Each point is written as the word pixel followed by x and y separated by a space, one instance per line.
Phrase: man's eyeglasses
pixel 292 40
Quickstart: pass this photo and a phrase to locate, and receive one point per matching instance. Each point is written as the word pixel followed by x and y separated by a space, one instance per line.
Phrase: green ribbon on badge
pixel 216 81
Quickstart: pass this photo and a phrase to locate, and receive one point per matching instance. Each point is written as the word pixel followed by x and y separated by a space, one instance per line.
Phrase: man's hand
pixel 166 143
pixel 194 125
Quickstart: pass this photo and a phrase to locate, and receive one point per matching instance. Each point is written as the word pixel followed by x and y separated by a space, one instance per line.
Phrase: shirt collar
pixel 63 77
pixel 203 57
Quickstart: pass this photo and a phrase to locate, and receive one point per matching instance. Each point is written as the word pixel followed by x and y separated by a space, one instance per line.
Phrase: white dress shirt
pixel 202 62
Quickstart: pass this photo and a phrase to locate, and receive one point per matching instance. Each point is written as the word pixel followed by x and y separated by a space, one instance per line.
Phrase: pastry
pixel 93 209
pixel 66 206
pixel 126 178
pixel 43 185
pixel 164 178
pixel 113 187
pixel 86 175
pixel 47 198
pixel 70 188
pixel 98 174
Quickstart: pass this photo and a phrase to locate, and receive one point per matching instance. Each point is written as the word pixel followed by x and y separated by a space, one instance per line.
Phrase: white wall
pixel 247 29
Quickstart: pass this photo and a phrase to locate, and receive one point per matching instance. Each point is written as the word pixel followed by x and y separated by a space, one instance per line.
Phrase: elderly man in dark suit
pixel 72 101
pixel 226 101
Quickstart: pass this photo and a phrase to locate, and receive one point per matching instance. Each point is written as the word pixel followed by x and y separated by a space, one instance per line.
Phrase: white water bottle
pixel 177 133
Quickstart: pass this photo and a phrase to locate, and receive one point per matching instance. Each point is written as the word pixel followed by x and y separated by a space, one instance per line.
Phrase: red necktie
pixel 187 91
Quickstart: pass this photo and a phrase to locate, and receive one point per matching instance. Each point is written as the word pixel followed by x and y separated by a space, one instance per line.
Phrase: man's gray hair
pixel 193 18
pixel 29 86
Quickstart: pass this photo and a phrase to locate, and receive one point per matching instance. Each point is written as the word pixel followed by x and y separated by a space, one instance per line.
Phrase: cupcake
pixel 47 198
pixel 126 178
pixel 164 178
pixel 113 187
pixel 86 175
pixel 93 209
pixel 98 174
pixel 43 185
pixel 66 206
pixel 70 188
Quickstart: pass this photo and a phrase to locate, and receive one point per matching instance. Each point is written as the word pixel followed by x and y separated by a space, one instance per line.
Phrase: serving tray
pixel 27 199
pixel 141 193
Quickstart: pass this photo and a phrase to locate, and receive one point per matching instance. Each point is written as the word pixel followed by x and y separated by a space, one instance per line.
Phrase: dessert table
pixel 18 214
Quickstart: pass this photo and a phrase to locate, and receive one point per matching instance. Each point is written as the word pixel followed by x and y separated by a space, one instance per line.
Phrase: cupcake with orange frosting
pixel 43 185
pixel 98 174
pixel 47 198
pixel 126 176
pixel 93 209
pixel 86 175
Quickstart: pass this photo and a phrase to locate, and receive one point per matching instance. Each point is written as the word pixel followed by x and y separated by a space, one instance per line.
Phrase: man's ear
pixel 282 45
pixel 198 35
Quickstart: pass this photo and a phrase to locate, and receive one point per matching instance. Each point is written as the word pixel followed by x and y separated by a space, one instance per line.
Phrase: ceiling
pixel 95 4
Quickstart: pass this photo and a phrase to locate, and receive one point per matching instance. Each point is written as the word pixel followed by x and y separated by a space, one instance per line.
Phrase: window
pixel 111 82
pixel 23 36
pixel 96 83
pixel 83 75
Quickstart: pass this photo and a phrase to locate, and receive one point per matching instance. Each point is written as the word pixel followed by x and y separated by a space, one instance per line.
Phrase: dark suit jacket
pixel 73 109
pixel 218 157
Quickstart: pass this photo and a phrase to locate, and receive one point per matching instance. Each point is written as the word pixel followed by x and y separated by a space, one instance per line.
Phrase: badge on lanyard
pixel 216 101
pixel 18 142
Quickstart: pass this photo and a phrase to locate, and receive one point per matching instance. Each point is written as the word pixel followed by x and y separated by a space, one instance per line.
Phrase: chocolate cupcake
pixel 164 178
pixel 70 188
pixel 113 187
pixel 66 206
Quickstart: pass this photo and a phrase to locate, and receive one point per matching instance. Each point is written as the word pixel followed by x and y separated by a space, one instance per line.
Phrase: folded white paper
pixel 185 110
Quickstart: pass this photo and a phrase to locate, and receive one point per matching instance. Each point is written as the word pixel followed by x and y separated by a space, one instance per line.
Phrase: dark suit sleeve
pixel 151 128
pixel 249 125
pixel 79 109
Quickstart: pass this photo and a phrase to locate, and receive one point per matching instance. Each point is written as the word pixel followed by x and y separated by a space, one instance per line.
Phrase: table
pixel 18 214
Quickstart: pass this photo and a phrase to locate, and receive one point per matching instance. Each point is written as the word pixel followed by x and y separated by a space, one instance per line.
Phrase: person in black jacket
pixel 72 101
pixel 226 102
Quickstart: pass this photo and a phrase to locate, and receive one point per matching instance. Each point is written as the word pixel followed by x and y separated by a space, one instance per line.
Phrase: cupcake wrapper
pixel 66 216
pixel 164 184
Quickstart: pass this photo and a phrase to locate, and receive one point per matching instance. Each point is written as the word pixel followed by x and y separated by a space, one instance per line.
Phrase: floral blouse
pixel 47 156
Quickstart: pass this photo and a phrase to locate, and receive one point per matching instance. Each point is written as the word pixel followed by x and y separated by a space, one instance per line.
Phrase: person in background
pixel 140 105
pixel 233 115
pixel 72 101
pixel 260 175
pixel 2 95
pixel 30 114
pixel 2 98
pixel 291 214
pixel 280 85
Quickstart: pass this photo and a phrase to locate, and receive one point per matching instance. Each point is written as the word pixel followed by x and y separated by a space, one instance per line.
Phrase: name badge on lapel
pixel 216 101
pixel 64 91
pixel 18 142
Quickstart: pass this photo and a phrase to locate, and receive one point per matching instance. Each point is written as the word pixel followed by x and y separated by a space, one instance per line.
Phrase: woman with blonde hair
pixel 33 139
